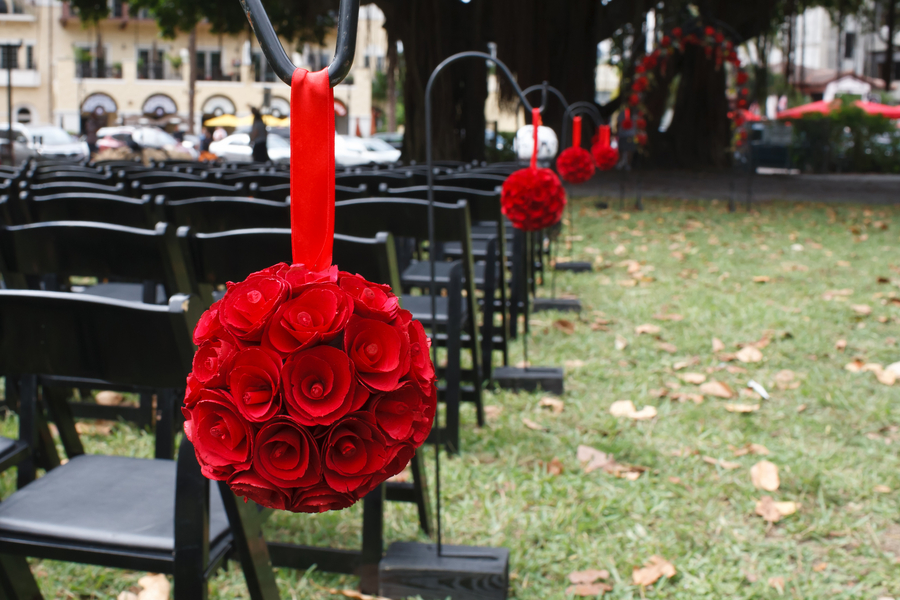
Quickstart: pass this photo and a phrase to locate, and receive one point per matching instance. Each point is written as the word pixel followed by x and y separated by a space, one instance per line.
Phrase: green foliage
pixel 847 139
pixel 90 11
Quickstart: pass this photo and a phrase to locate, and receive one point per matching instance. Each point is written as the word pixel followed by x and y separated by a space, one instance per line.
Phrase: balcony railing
pixel 156 71
pixel 86 70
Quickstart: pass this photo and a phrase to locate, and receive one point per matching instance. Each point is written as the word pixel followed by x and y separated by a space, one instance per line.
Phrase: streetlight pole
pixel 8 50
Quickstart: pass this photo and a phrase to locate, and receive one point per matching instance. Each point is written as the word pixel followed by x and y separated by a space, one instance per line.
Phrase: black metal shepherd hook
pixel 348 20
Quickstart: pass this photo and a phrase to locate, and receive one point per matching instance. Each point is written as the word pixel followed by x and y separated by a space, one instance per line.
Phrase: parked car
pixel 110 138
pixel 236 148
pixel 42 141
pixel 349 151
pixel 394 138
pixel 381 151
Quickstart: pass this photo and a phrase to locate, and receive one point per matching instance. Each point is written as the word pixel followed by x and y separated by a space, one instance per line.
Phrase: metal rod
pixel 348 20
pixel 8 50
pixel 546 88
pixel 580 108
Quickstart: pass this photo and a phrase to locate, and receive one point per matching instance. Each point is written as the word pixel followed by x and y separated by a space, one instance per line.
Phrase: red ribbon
pixel 576 132
pixel 312 169
pixel 604 136
pixel 535 125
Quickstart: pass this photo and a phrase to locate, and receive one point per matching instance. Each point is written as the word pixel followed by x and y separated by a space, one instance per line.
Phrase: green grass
pixel 831 455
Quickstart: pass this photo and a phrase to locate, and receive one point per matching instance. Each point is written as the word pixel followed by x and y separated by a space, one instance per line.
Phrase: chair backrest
pixel 487 182
pixel 60 187
pixel 182 190
pixel 86 176
pixel 217 258
pixel 158 176
pixel 483 205
pixel 250 177
pixel 373 179
pixel 282 192
pixel 76 248
pixel 403 217
pixel 223 213
pixel 82 206
pixel 91 338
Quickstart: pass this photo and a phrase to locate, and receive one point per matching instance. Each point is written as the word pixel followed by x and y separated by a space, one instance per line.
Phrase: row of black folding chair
pixel 138 514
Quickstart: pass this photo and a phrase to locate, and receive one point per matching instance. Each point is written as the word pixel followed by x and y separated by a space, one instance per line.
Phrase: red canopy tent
pixel 873 108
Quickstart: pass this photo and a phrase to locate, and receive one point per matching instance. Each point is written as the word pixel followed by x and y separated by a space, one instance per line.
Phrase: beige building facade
pixel 123 71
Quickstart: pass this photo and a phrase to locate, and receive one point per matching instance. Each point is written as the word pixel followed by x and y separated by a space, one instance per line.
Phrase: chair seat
pixel 132 292
pixel 479 249
pixel 420 307
pixel 6 446
pixel 418 273
pixel 105 500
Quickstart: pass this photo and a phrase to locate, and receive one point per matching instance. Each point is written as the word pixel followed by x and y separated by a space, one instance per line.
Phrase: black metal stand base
pixel 548 379
pixel 574 266
pixel 461 572
pixel 560 304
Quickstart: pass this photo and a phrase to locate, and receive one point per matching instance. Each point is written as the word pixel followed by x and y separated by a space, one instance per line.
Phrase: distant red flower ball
pixel 641 123
pixel 665 41
pixel 533 199
pixel 640 84
pixel 676 32
pixel 575 165
pixel 606 157
pixel 709 30
pixel 742 77
pixel 641 139
pixel 720 37
pixel 634 100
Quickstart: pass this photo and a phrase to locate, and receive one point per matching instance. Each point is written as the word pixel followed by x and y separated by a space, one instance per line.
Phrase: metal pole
pixel 8 49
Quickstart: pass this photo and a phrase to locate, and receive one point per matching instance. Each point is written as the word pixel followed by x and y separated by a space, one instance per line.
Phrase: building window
pixel 849 44
pixel 201 65
pixel 9 58
pixel 366 61
pixel 29 57
pixel 269 75
pixel 23 115
pixel 116 9
pixel 150 64
pixel 215 65
pixel 379 64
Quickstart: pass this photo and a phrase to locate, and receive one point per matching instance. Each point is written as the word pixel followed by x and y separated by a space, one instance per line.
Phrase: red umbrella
pixel 873 108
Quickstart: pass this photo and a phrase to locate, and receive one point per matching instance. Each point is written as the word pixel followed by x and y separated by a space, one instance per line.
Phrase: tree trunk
pixel 761 69
pixel 889 53
pixel 700 128
pixel 840 40
pixel 192 76
pixel 391 77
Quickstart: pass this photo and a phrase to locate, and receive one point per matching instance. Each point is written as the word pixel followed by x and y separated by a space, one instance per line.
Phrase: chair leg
pixel 147 417
pixel 372 540
pixel 250 545
pixel 453 372
pixel 165 423
pixel 420 492
pixel 16 580
pixel 61 413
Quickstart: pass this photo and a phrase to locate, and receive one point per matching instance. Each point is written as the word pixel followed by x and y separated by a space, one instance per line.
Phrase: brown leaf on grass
pixel 684 364
pixel 554 404
pixel 652 570
pixel 886 377
pixel 742 408
pixel 667 347
pixel 761 279
pixel 725 464
pixel 861 309
pixel 840 345
pixel 786 380
pixel 100 428
pixel 589 589
pixel 751 449
pixel 881 489
pixel 154 586
pixel 648 328
pixel 749 354
pixel 684 397
pixel 777 583
pixel 627 282
pixel 718 389
pixel 621 343
pixel 839 295
pixel 588 576
pixel 564 325
pixel 659 392
pixel 492 411
pixel 801 408
pixel 764 476
pixel 773 511
pixel 108 398
pixel 693 378
pixel 855 365
pixel 354 594
pixel 554 467
pixel 532 425
pixel 717 345
pixel 626 408
pixel 592 459
pixel 819 567
pixel 668 317
pixel 734 369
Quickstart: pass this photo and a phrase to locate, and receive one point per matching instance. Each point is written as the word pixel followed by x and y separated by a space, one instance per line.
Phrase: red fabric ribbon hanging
pixel 535 125
pixel 604 136
pixel 576 132
pixel 312 169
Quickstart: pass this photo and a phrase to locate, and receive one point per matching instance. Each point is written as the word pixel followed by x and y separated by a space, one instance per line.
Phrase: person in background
pixel 258 137
pixel 205 140
pixel 219 134
pixel 625 133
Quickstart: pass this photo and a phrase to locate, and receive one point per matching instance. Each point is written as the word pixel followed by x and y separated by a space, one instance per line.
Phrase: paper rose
pixel 308 389
pixel 575 165
pixel 533 199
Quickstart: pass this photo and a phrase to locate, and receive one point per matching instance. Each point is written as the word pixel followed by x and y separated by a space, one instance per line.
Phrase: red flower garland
pixel 575 164
pixel 605 155
pixel 533 198
pixel 308 389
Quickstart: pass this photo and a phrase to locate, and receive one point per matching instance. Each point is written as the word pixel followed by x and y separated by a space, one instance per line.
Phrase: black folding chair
pixel 157 176
pixel 487 182
pixel 224 213
pixel 456 318
pixel 60 187
pixel 85 176
pixel 282 192
pixel 248 177
pixel 182 190
pixel 373 179
pixel 81 206
pixel 137 514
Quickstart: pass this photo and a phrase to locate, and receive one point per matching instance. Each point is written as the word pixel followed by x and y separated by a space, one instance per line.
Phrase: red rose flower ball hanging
pixel 533 198
pixel 575 164
pixel 604 154
pixel 310 386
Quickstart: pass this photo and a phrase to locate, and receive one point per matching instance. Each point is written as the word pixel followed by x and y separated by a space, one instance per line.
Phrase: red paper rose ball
pixel 308 389
pixel 533 199
pixel 575 165
pixel 606 157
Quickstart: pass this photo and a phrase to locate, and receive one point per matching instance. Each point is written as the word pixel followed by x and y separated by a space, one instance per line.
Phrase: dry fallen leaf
pixel 785 380
pixel 777 583
pixel 683 397
pixel 621 343
pixel 554 467
pixel 801 408
pixel 840 345
pixel 718 389
pixel 881 489
pixel 108 398
pixel 668 317
pixel 626 408
pixel 532 425
pixel 861 309
pixel 749 354
pixel 855 365
pixel 837 294
pixel 589 589
pixel 886 377
pixel 764 476
pixel 742 408
pixel 694 378
pixel 819 567
pixel 354 594
pixel 717 345
pixel 653 569
pixel 564 325
pixel 574 364
pixel 725 464
pixel 492 411
pixel 751 449
pixel 554 404
pixel 773 511
pixel 592 459
pixel 647 328
pixel 667 347
pixel 588 576
pixel 620 250
pixel 761 279
pixel 154 587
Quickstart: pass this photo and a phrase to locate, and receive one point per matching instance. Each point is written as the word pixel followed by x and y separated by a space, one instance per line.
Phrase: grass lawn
pixel 832 433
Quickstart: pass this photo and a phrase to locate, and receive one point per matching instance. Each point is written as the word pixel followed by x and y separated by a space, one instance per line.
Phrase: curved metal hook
pixel 580 108
pixel 348 20
pixel 548 88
